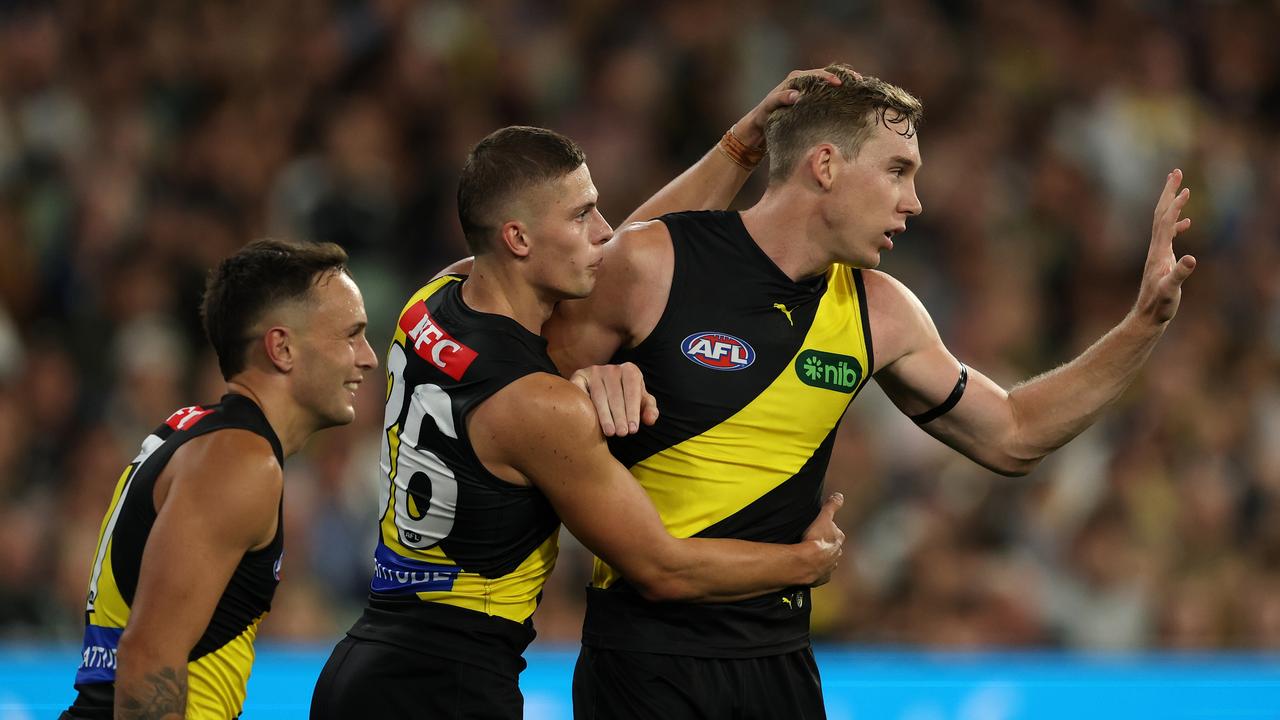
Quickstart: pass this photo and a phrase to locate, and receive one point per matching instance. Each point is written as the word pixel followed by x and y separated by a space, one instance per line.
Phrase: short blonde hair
pixel 842 115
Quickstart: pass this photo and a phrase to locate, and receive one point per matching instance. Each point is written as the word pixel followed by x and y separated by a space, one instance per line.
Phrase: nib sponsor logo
pixel 829 371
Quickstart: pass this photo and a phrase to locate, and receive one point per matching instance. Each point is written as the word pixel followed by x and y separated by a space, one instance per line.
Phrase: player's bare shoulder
pixel 458 267
pixel 637 264
pixel 537 417
pixel 629 297
pixel 536 405
pixel 899 321
pixel 234 451
pixel 231 475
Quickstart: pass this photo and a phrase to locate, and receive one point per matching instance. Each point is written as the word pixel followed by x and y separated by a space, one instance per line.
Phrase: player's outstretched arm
pixel 713 182
pixel 1010 432
pixel 222 499
pixel 544 430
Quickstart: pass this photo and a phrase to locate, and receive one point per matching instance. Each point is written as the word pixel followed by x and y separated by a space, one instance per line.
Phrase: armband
pixel 946 405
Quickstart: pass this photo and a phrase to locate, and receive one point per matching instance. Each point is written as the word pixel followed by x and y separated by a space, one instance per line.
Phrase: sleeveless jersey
pixel 462 555
pixel 218 666
pixel 752 372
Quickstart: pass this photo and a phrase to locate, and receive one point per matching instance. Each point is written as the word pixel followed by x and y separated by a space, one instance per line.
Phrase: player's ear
pixel 515 238
pixel 278 343
pixel 820 163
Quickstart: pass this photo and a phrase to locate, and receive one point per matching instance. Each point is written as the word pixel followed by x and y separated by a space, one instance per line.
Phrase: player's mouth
pixel 352 385
pixel 888 234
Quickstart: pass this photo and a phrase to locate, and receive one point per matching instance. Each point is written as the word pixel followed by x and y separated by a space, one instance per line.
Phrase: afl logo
pixel 718 351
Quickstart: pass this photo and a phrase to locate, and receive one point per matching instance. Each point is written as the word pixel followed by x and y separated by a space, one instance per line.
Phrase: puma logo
pixel 786 312
pixel 787 601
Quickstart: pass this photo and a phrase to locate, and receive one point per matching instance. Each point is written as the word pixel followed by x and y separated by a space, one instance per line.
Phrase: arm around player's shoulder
pixel 630 294
pixel 545 428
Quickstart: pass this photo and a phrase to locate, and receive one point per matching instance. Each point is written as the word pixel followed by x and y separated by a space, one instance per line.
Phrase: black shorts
pixel 624 685
pixel 371 679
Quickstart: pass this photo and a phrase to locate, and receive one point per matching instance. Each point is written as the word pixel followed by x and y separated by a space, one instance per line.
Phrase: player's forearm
pixel 723 570
pixel 149 688
pixel 1053 408
pixel 710 184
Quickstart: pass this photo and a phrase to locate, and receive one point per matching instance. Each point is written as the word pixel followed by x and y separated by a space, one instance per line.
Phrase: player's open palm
pixel 1165 272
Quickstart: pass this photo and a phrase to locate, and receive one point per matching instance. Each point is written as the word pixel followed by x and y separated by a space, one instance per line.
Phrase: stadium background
pixel 140 142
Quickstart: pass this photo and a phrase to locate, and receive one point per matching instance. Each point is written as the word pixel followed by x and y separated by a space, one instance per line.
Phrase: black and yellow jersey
pixel 752 372
pixel 218 666
pixel 462 555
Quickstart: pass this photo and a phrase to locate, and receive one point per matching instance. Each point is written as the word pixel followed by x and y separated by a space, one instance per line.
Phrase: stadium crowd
pixel 140 142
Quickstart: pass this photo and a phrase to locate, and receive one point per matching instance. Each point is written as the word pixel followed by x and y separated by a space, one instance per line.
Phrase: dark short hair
pixel 262 275
pixel 503 165
pixel 843 115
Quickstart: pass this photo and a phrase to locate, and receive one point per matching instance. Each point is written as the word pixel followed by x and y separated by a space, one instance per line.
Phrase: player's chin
pixel 870 261
pixel 586 286
pixel 344 414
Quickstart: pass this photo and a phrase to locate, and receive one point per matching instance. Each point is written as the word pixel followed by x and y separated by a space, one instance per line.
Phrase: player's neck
pixel 782 224
pixel 287 421
pixel 497 288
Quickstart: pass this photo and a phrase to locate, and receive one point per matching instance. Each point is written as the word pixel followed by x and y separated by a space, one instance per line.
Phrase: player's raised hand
pixel 1164 273
pixel 826 539
pixel 750 129
pixel 619 395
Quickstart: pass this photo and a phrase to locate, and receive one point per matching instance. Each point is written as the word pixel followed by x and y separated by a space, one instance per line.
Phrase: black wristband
pixel 950 402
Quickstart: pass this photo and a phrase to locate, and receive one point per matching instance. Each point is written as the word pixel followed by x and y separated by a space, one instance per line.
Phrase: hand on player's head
pixel 750 129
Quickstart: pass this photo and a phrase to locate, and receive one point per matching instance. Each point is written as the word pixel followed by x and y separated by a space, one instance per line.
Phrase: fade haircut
pixel 843 115
pixel 262 275
pixel 501 167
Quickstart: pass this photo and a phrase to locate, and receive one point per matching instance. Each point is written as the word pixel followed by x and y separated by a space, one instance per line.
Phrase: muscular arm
pixel 542 429
pixel 217 499
pixel 1011 431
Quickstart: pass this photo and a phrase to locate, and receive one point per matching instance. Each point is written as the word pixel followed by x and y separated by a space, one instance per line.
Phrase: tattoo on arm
pixel 165 698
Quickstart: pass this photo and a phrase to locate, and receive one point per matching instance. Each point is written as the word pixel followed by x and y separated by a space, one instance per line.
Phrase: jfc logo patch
pixel 828 371
pixel 184 418
pixel 433 343
pixel 718 351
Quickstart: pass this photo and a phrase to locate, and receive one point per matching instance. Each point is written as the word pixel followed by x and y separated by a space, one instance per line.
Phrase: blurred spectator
pixel 142 142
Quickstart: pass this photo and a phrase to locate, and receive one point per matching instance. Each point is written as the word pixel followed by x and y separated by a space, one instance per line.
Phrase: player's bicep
pixel 551 436
pixel 952 402
pixel 212 515
pixel 914 368
pixel 182 576
pixel 975 418
pixel 607 510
